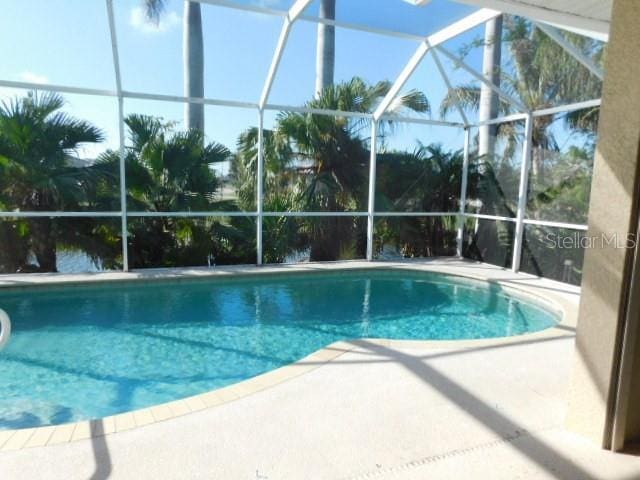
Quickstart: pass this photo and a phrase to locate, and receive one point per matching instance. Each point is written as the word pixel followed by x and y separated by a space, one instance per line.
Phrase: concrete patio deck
pixel 490 409
pixel 374 412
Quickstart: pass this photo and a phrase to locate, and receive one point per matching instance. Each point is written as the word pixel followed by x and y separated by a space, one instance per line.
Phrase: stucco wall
pixel 612 210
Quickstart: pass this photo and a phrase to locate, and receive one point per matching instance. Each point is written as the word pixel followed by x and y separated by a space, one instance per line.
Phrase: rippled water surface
pixel 87 352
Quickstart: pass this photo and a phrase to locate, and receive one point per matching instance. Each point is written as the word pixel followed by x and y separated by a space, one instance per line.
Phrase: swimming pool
pixel 82 352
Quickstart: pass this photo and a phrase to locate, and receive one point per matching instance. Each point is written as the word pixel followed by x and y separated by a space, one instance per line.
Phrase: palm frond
pixel 412 101
pixel 154 9
pixel 466 96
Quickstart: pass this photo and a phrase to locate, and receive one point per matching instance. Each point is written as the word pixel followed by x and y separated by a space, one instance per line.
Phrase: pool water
pixel 91 351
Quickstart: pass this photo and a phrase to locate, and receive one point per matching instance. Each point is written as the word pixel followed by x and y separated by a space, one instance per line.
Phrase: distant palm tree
pixel 426 180
pixel 542 75
pixel 488 108
pixel 170 171
pixel 39 171
pixel 319 162
pixel 326 47
pixel 193 56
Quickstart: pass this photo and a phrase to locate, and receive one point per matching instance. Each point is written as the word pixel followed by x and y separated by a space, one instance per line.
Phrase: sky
pixel 67 42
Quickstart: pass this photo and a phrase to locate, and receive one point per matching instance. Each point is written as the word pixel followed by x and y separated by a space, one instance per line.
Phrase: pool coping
pixel 562 297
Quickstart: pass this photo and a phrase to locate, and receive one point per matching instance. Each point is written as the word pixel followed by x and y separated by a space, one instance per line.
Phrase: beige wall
pixel 612 210
pixel 632 430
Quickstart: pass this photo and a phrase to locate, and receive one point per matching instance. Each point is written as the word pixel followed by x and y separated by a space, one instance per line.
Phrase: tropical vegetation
pixel 539 74
pixel 39 173
pixel 312 162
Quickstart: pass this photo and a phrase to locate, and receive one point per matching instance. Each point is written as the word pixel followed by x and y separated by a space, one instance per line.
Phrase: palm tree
pixel 426 180
pixel 488 108
pixel 193 56
pixel 326 48
pixel 333 149
pixel 542 75
pixel 40 171
pixel 319 163
pixel 244 166
pixel 171 171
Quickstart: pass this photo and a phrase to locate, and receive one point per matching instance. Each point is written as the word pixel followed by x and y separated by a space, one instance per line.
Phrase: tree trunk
pixel 326 47
pixel 193 57
pixel 488 98
pixel 536 177
pixel 43 244
pixel 14 251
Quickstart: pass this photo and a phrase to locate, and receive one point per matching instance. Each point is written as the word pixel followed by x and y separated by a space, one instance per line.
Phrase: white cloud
pixel 33 77
pixel 139 21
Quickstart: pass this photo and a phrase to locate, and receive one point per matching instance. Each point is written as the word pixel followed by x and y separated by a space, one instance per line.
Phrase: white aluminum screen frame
pixel 296 13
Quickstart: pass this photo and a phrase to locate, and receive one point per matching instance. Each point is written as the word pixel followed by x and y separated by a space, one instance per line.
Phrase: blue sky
pixel 67 42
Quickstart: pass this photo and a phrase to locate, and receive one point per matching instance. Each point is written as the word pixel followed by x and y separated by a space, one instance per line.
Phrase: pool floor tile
pixel 195 404
pixel 179 408
pixel 40 437
pixel 18 439
pixel 124 421
pixel 62 434
pixel 211 399
pixel 5 435
pixel 143 417
pixel 82 431
pixel 228 393
pixel 161 412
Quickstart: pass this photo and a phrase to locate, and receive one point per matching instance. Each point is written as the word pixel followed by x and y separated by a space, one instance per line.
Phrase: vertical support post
pixel 259 186
pixel 372 189
pixel 522 194
pixel 123 184
pixel 123 189
pixel 463 191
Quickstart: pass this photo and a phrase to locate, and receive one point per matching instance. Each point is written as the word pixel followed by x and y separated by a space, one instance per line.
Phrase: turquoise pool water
pixel 87 352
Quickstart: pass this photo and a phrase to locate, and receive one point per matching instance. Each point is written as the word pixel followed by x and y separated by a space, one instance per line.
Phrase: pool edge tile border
pixel 562 297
